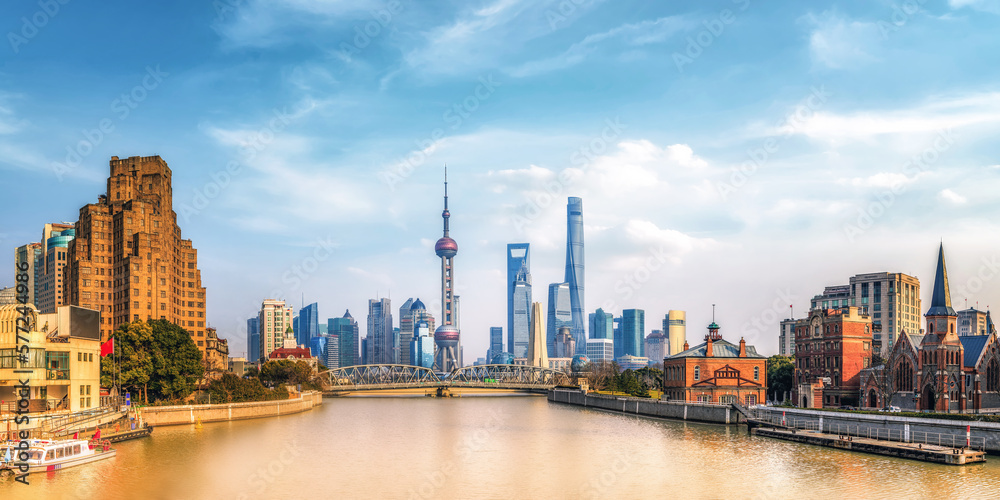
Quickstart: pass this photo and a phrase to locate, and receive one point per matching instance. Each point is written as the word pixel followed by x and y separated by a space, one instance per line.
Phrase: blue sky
pixel 740 153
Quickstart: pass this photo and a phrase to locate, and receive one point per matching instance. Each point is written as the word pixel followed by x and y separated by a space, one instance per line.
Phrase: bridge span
pixel 405 378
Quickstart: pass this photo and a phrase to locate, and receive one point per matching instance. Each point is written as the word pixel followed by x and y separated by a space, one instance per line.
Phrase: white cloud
pixel 840 43
pixel 953 197
pixel 889 180
pixel 991 6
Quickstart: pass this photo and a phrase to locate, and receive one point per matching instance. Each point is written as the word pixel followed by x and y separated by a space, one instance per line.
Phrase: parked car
pixel 847 407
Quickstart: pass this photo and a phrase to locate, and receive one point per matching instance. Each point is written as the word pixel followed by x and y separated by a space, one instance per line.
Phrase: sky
pixel 738 153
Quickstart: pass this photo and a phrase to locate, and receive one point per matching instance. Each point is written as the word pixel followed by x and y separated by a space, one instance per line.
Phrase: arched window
pixel 697 373
pixel 756 373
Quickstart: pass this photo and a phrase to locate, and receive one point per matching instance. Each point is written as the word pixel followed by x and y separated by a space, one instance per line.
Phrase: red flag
pixel 108 347
pixel 97 435
pixel 76 435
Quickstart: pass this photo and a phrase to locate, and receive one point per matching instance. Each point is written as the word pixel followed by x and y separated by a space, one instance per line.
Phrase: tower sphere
pixel 446 247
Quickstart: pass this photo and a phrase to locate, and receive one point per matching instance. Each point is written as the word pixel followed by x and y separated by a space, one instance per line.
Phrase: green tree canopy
pixel 156 358
pixel 232 389
pixel 780 374
pixel 280 372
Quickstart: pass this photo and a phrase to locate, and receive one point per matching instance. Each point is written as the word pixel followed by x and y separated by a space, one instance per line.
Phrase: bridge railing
pixel 404 376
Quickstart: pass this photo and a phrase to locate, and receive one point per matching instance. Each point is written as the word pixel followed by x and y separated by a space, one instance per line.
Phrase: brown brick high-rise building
pixel 128 259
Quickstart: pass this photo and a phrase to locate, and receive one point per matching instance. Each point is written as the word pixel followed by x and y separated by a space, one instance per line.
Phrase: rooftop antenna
pixel 713 313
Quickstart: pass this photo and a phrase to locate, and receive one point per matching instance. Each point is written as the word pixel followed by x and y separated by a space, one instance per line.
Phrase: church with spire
pixel 937 369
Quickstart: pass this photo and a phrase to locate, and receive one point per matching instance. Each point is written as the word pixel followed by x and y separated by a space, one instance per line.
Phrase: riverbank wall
pixel 698 412
pixel 189 414
pixel 910 428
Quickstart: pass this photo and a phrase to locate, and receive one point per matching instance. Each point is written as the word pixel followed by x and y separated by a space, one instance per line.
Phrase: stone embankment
pixel 189 414
pixel 699 412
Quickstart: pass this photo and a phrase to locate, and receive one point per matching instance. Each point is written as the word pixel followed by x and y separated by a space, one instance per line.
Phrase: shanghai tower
pixel 574 270
pixel 447 336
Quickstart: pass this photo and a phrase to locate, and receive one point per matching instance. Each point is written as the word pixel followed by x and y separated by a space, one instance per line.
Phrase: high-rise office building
pixel 575 269
pixel 602 325
pixel 308 327
pixel 496 343
pixel 565 344
pixel 405 331
pixel 129 260
pixel 633 333
pixel 537 353
pixel 619 343
pixel 253 339
pixel 833 297
pixel 656 347
pixel 379 333
pixel 422 346
pixel 971 322
pixel 56 239
pixel 893 302
pixel 786 337
pixel 317 347
pixel 676 331
pixel 560 315
pixel 601 350
pixel 347 333
pixel 518 298
pixel 332 360
pixel 29 257
pixel 447 337
pixel 274 320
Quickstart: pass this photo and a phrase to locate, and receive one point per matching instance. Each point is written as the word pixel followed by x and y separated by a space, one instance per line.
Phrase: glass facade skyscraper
pixel 380 348
pixel 602 325
pixel 575 270
pixel 346 330
pixel 559 315
pixel 253 339
pixel 518 298
pixel 496 343
pixel 308 327
pixel 633 327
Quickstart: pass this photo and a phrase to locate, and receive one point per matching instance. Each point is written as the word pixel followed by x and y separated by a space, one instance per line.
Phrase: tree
pixel 157 357
pixel 628 382
pixel 651 377
pixel 280 372
pixel 780 375
pixel 232 389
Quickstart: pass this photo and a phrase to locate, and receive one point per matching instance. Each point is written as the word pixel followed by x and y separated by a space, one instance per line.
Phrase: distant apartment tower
pixel 518 298
pixel 971 322
pixel 346 331
pixel 602 325
pixel 559 315
pixel 29 257
pixel 253 339
pixel 274 319
pixel 56 239
pixel 496 343
pixel 575 268
pixel 129 260
pixel 332 360
pixel 786 337
pixel 633 326
pixel 380 336
pixel 601 350
pixel 656 347
pixel 422 346
pixel 675 328
pixel 892 300
pixel 833 297
pixel 308 327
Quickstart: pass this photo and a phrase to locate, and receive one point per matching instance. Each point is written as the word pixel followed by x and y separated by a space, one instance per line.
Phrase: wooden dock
pixel 915 451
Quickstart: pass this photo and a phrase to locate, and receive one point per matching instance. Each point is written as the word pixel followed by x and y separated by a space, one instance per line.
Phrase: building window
pixel 756 373
pixel 697 373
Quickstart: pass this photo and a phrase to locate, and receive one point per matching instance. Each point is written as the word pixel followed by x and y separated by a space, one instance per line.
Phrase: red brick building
pixel 832 346
pixel 716 372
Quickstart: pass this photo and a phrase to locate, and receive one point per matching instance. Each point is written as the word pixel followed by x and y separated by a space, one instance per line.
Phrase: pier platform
pixel 915 451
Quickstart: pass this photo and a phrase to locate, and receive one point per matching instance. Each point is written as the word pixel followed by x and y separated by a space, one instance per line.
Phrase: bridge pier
pixel 444 392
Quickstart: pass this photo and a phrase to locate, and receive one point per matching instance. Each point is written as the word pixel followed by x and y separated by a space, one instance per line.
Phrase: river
pixel 489 447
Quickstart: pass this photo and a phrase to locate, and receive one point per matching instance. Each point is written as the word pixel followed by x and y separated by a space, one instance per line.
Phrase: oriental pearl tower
pixel 447 340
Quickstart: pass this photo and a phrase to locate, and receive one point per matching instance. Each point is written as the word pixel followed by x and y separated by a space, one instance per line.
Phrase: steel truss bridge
pixel 389 377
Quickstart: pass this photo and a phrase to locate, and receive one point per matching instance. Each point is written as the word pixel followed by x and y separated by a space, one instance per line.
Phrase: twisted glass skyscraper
pixel 574 270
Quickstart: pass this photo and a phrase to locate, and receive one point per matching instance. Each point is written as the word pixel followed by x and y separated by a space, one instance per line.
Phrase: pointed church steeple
pixel 941 298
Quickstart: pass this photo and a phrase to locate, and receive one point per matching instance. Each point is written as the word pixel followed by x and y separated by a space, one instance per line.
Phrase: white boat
pixel 46 455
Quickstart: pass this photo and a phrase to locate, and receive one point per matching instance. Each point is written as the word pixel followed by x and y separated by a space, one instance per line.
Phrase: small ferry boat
pixel 45 455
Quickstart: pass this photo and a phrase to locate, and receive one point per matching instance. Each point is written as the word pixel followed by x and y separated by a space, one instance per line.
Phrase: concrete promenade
pixel 698 412
pixel 927 453
pixel 900 428
pixel 189 414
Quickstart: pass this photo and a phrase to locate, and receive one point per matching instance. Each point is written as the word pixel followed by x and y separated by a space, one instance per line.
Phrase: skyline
pixel 831 111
